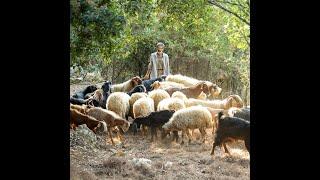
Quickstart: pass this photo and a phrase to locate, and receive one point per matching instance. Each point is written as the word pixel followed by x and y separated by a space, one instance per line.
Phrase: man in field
pixel 158 63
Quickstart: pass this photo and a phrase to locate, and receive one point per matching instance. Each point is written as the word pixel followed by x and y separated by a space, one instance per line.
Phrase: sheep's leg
pixel 247 144
pixel 225 148
pixel 110 134
pixel 212 151
pixel 176 135
pixel 182 136
pixel 203 134
pixel 152 133
pixel 189 136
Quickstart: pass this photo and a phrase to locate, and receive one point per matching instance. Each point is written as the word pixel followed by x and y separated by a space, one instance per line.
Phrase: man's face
pixel 160 50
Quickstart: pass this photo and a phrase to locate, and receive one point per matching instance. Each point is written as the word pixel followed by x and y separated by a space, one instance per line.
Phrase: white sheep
pixel 158 95
pixel 134 97
pixel 180 95
pixel 143 107
pixel 118 102
pixel 166 84
pixel 188 81
pixel 231 101
pixel 195 117
pixel 178 78
pixel 171 104
pixel 126 86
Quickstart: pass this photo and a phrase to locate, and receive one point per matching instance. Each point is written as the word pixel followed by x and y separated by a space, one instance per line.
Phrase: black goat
pixel 230 129
pixel 154 120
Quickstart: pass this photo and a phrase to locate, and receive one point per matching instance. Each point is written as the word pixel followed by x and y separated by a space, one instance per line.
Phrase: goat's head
pixel 136 81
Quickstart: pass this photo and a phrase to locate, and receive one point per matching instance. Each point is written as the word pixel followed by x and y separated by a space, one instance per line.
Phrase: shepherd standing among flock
pixel 162 102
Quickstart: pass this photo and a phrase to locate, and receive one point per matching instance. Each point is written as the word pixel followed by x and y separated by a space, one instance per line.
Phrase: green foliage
pixel 117 37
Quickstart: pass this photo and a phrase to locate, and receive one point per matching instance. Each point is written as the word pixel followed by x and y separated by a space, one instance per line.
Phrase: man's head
pixel 160 48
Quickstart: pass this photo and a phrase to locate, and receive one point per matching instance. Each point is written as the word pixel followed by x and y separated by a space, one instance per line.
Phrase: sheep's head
pixel 136 81
pixel 125 126
pixel 106 87
pixel 91 88
pixel 155 85
pixel 101 128
pixel 215 90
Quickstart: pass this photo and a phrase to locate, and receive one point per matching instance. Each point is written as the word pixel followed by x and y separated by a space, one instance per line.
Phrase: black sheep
pixel 229 129
pixel 147 83
pixel 154 120
pixel 244 113
pixel 78 101
pixel 88 89
pixel 138 88
pixel 106 91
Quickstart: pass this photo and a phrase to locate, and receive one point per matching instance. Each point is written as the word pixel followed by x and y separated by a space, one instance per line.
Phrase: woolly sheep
pixel 190 118
pixel 171 104
pixel 134 97
pixel 158 95
pixel 118 102
pixel 178 78
pixel 143 107
pixel 126 86
pixel 231 101
pixel 179 95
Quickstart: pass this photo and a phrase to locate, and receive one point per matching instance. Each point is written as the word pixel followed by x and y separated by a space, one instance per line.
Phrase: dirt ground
pixel 93 157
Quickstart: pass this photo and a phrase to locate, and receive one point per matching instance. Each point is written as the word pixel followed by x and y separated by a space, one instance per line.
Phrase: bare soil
pixel 98 159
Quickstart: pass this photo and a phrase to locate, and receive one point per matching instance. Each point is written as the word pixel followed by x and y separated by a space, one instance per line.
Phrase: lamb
pixel 171 104
pixel 154 120
pixel 126 86
pixel 191 92
pixel 158 95
pixel 190 118
pixel 230 129
pixel 118 102
pixel 77 118
pixel 138 89
pixel 231 101
pixel 148 83
pixel 134 97
pixel 111 118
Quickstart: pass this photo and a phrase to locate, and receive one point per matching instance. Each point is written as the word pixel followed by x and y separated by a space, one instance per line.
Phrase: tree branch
pixel 227 10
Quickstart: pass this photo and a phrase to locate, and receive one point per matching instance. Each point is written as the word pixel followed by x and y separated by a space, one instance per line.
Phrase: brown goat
pixel 77 118
pixel 191 92
pixel 111 118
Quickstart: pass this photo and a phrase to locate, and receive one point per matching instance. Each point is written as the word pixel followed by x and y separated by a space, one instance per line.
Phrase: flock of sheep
pixel 167 104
